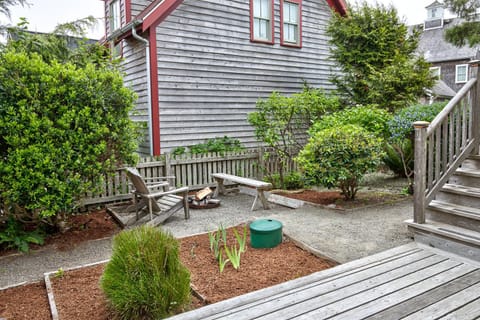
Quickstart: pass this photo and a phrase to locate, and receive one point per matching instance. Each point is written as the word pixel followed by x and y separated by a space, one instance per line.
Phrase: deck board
pixel 406 281
pixel 426 299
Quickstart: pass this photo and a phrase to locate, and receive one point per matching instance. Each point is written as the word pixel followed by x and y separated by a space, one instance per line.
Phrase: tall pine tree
pixel 377 59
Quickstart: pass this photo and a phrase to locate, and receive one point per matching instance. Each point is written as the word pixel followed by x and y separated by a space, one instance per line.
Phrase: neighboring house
pixel 199 66
pixel 449 63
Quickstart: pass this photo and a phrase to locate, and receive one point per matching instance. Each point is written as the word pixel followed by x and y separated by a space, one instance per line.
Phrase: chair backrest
pixel 137 180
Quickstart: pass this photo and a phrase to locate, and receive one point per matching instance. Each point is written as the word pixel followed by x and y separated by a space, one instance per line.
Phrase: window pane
pixel 256 8
pixel 264 29
pixel 265 12
pixel 461 74
pixel 294 13
pixel 256 28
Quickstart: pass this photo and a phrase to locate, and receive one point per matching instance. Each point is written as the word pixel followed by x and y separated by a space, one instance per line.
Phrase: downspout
pixel 149 85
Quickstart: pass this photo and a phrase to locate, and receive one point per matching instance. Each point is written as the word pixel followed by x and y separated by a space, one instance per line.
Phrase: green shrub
pixel 399 151
pixel 294 180
pixel 401 125
pixel 371 118
pixel 217 144
pixel 62 127
pixel 340 156
pixel 281 122
pixel 145 278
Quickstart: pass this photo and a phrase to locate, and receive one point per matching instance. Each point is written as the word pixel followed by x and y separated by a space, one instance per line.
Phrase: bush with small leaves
pixel 145 278
pixel 340 156
pixel 371 118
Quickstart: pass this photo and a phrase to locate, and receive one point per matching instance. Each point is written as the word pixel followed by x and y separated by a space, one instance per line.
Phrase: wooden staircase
pixel 447 177
pixel 452 219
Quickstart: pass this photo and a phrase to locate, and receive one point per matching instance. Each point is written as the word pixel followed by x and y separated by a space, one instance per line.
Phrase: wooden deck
pixel 407 282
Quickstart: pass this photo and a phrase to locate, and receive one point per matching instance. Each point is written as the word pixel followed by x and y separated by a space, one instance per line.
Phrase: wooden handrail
pixel 450 106
pixel 442 145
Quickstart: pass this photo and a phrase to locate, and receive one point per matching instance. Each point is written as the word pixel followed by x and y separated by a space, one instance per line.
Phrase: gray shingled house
pixel 449 63
pixel 198 67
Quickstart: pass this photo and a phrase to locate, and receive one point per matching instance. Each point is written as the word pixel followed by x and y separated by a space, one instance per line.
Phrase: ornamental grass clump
pixel 145 278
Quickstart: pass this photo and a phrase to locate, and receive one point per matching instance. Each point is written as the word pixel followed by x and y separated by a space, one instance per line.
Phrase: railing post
pixel 261 163
pixel 475 73
pixel 168 169
pixel 420 171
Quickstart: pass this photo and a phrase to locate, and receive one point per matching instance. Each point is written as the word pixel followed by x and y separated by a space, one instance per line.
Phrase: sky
pixel 44 15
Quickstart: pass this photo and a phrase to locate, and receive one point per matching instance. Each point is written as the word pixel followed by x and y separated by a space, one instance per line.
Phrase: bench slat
pixel 245 181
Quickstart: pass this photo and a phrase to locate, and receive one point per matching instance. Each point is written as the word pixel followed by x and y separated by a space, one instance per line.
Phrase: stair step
pixel 457 240
pixel 470 172
pixel 447 230
pixel 461 190
pixel 455 209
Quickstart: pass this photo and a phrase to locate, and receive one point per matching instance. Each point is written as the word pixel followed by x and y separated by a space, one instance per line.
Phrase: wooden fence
pixel 189 170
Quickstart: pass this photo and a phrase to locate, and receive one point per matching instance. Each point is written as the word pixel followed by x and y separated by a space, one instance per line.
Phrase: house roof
pixel 441 89
pixel 435 48
pixel 435 4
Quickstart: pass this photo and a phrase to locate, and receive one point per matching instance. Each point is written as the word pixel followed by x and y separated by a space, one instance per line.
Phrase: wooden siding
pixel 211 75
pixel 139 5
pixel 447 73
pixel 135 78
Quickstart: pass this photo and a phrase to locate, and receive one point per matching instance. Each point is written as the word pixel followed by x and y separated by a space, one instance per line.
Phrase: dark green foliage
pixel 340 156
pixel 370 118
pixel 13 235
pixel 145 278
pixel 399 157
pixel 217 144
pixel 281 122
pixel 294 180
pixel 401 125
pixel 468 32
pixel 400 151
pixel 377 58
pixel 62 126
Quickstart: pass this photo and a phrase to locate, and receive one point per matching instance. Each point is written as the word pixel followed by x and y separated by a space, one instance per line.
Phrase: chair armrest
pixel 158 185
pixel 163 193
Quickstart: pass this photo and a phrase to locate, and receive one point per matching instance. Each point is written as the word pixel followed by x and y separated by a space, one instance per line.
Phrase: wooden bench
pixel 261 186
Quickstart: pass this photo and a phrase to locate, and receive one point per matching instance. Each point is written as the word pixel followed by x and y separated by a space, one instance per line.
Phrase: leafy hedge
pixel 371 118
pixel 61 127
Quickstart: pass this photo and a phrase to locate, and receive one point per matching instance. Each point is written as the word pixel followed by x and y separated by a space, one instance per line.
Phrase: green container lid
pixel 265 225
pixel 265 233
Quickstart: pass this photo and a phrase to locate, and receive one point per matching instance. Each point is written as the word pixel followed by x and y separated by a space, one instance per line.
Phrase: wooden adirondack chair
pixel 161 201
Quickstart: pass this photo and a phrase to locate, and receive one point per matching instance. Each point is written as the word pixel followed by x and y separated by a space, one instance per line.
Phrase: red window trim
pixel 289 44
pixel 272 19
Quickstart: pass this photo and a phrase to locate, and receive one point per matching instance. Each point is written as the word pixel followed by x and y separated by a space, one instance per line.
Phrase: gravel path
pixel 341 236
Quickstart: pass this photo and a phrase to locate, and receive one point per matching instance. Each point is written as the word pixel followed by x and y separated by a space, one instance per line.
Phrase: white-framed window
pixel 115 15
pixel 291 22
pixel 461 73
pixel 435 72
pixel 262 20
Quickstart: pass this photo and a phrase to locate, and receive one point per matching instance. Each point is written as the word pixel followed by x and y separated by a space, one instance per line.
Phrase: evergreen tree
pixel 467 32
pixel 376 55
